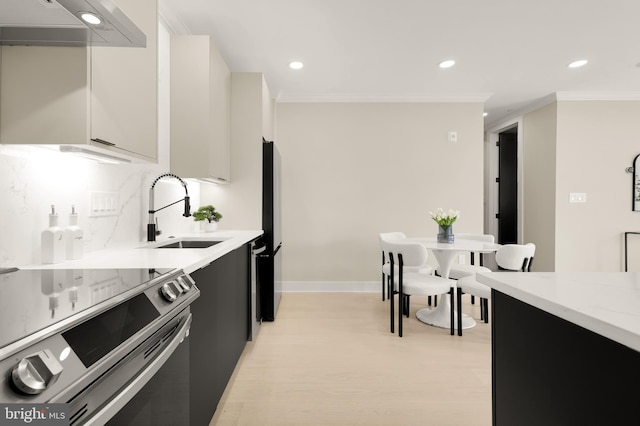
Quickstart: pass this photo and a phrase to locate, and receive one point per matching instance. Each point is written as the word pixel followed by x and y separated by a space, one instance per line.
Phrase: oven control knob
pixel 184 284
pixel 36 372
pixel 168 292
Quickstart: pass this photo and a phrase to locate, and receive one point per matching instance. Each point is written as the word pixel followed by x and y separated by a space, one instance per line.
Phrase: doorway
pixel 503 174
pixel 507 181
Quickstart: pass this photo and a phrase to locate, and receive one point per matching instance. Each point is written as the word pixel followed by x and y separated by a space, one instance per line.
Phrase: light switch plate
pixel 577 197
pixel 452 136
pixel 104 204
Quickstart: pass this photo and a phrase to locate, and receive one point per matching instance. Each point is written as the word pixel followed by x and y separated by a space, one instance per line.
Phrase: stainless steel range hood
pixel 58 23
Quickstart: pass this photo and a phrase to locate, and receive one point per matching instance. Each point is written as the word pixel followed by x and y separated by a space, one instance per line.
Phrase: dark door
pixel 508 186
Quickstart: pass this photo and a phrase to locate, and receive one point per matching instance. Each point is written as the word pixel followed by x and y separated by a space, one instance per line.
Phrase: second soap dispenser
pixel 73 235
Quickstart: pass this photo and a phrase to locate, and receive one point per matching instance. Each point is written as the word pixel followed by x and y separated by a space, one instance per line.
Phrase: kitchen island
pixel 565 348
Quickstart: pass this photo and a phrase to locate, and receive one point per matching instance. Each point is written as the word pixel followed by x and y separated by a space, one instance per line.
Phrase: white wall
pixel 33 179
pixel 596 141
pixel 539 186
pixel 353 170
pixel 581 146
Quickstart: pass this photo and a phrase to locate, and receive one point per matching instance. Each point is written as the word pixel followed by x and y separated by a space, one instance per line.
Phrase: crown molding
pixel 168 17
pixel 597 96
pixel 534 105
pixel 564 96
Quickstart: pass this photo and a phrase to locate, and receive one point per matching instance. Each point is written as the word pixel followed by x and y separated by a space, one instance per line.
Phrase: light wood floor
pixel 329 359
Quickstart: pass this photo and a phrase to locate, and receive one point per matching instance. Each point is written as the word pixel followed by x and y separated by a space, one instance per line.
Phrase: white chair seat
pixel 469 285
pixel 415 284
pixel 386 267
pixel 460 271
pixel 423 269
pixel 406 254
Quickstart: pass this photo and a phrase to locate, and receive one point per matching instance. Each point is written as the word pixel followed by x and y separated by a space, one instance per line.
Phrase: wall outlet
pixel 578 197
pixel 452 136
pixel 104 204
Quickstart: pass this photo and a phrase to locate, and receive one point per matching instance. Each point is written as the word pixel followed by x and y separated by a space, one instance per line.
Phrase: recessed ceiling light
pixel 578 64
pixel 295 65
pixel 90 18
pixel 447 64
pixel 484 114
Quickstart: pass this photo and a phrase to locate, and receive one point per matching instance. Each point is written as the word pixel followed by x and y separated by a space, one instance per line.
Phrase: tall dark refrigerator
pixel 270 261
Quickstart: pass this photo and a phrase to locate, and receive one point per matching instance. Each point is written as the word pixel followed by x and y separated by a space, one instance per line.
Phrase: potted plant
pixel 209 218
pixel 444 221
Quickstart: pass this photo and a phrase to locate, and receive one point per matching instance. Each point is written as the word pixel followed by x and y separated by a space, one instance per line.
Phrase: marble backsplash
pixel 33 179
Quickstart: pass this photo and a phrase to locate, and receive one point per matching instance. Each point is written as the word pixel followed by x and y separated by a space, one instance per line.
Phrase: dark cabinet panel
pixel 549 371
pixel 219 331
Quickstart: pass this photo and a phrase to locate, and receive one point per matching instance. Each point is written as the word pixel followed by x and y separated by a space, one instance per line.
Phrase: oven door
pixel 164 400
pixel 141 369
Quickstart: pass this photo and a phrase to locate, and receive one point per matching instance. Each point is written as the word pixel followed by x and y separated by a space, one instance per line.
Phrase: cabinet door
pixel 200 103
pixel 219 330
pixel 124 87
pixel 44 97
pixel 220 166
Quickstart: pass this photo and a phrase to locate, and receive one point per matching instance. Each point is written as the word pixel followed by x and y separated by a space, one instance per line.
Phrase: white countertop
pixel 144 255
pixel 607 303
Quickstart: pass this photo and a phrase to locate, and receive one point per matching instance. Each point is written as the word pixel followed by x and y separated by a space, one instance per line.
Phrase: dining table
pixel 445 254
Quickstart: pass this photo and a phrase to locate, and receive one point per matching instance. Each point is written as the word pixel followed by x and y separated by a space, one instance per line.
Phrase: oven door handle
pixel 129 391
pixel 257 249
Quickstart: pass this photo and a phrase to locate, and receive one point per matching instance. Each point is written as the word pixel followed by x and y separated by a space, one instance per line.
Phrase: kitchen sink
pixel 189 244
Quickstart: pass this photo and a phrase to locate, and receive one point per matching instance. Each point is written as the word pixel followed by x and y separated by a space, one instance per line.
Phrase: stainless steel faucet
pixel 152 226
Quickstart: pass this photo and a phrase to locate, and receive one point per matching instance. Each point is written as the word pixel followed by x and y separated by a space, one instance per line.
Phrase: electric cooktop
pixel 31 300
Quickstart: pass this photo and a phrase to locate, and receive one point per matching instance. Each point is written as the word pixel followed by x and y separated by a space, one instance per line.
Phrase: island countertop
pixel 146 255
pixel 607 303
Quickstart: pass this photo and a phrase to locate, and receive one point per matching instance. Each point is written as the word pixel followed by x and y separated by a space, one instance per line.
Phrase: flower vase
pixel 445 234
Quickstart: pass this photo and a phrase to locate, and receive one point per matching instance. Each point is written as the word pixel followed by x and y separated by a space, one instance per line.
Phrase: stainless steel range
pixel 88 338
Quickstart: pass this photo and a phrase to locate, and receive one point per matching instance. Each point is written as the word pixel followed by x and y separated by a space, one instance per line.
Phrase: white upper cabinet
pixel 200 109
pixel 100 98
pixel 124 87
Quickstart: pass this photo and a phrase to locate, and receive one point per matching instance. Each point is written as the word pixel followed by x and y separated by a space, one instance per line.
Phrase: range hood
pixel 58 23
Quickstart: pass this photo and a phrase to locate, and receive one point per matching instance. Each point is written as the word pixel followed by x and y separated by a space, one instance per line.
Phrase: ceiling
pixel 509 54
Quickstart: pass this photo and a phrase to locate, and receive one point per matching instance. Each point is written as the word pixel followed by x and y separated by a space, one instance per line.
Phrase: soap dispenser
pixel 52 240
pixel 73 236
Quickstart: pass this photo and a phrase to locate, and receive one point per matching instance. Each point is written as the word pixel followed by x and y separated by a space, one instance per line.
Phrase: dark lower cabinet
pixel 549 371
pixel 219 330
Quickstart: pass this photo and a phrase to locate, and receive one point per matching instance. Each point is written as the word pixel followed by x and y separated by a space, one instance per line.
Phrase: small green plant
pixel 207 213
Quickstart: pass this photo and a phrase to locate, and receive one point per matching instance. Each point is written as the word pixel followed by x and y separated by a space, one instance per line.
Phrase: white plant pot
pixel 208 226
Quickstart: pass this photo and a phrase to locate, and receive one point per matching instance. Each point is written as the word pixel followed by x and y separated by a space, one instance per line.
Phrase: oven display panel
pixel 98 336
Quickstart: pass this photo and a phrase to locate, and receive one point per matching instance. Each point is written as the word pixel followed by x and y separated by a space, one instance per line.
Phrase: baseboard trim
pixel 331 286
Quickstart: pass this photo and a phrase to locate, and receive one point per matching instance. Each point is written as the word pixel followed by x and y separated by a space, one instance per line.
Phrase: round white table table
pixel 445 254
